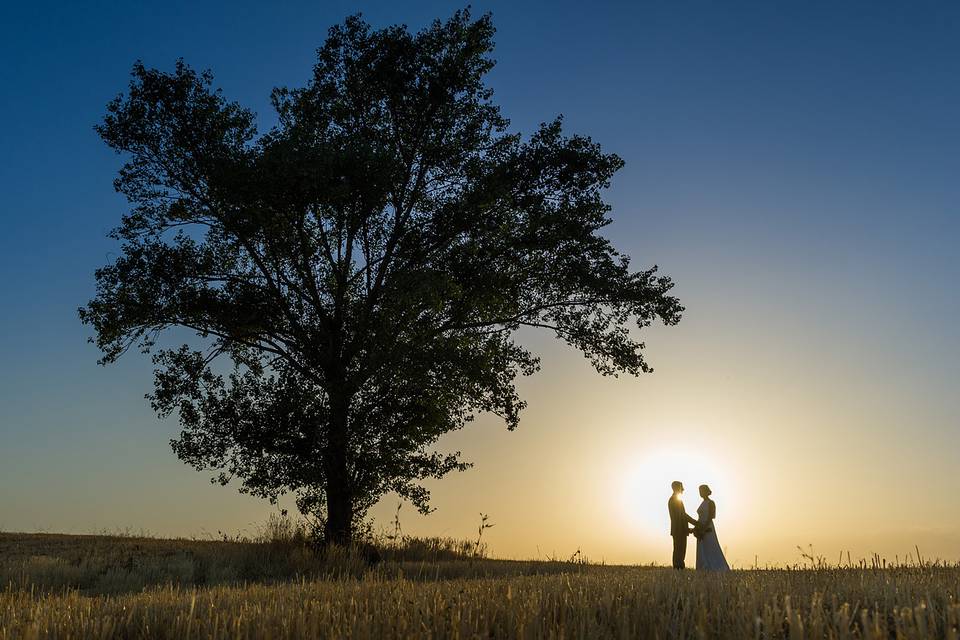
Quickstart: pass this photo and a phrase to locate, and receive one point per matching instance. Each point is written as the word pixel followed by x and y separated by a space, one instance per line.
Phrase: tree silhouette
pixel 361 268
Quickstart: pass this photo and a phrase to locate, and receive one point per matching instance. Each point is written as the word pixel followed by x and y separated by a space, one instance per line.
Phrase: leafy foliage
pixel 363 266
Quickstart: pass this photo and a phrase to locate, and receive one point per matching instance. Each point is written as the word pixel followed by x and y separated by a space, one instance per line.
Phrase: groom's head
pixel 677 486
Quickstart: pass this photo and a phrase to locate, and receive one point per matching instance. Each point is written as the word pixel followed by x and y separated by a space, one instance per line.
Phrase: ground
pixel 138 587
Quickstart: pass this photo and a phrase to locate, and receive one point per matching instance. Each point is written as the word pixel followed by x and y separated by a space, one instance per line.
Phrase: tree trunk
pixel 339 526
pixel 339 529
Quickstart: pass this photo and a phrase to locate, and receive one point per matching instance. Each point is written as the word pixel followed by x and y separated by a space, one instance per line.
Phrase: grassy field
pixel 128 587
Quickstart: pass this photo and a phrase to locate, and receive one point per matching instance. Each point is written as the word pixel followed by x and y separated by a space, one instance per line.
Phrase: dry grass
pixel 112 565
pixel 99 587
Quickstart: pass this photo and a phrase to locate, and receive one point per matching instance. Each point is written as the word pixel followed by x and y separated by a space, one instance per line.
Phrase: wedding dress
pixel 709 554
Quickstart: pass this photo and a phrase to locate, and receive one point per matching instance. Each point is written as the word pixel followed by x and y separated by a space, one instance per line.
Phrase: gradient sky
pixel 793 165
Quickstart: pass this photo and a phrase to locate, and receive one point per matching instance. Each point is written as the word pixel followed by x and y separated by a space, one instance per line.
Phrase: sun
pixel 645 486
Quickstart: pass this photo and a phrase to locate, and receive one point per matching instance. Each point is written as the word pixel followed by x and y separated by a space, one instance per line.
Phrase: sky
pixel 792 165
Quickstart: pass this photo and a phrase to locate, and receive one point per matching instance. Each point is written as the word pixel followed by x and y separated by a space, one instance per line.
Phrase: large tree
pixel 361 269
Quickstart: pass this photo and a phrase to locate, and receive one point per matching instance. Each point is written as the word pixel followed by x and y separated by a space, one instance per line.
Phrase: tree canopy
pixel 356 275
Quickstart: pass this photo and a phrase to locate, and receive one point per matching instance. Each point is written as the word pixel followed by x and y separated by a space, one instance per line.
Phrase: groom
pixel 678 525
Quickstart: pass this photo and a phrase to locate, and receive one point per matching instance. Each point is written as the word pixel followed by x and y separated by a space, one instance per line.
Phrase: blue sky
pixel 792 165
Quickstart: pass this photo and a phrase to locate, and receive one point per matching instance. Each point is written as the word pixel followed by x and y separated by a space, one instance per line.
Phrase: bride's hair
pixel 705 490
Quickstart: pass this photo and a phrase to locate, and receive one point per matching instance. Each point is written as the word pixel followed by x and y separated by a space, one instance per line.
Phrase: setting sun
pixel 645 487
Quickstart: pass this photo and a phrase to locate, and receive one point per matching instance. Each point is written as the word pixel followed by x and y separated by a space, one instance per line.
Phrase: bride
pixel 709 555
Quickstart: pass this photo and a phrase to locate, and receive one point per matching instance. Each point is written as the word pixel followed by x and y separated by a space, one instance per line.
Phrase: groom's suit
pixel 678 529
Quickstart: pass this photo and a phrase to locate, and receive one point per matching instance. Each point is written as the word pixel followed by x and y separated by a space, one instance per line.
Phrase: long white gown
pixel 709 554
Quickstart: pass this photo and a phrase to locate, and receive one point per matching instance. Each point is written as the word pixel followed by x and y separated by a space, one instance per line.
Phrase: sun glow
pixel 645 487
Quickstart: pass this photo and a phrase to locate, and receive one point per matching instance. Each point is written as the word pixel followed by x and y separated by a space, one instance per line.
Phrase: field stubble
pixel 101 587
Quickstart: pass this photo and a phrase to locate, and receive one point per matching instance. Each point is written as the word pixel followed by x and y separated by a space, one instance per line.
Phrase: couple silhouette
pixel 709 554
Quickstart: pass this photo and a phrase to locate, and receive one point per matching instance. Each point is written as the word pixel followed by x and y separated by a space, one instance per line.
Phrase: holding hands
pixel 699 531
